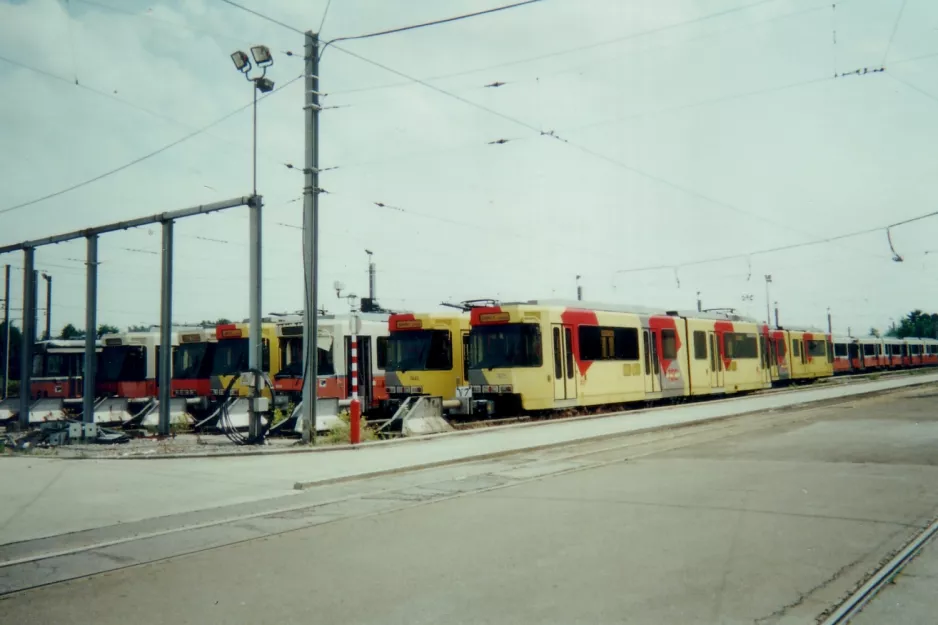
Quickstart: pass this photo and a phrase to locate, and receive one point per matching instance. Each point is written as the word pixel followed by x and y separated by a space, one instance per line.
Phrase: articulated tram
pixel 547 355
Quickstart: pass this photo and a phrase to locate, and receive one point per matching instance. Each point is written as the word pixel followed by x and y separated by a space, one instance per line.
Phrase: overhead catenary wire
pixel 446 20
pixel 263 16
pixel 892 35
pixel 580 48
pixel 147 156
pixel 782 248
pixel 553 135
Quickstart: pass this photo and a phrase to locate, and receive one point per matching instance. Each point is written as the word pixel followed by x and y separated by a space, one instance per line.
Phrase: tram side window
pixel 700 345
pixel 840 350
pixel 382 348
pixel 796 348
pixel 869 349
pixel 603 343
pixel 668 344
pixel 738 345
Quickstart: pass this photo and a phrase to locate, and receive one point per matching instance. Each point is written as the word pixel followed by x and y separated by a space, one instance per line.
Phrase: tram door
pixel 716 363
pixel 564 374
pixel 651 363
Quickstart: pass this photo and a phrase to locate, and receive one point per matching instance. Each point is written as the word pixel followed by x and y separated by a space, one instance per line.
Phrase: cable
pixel 322 22
pixel 913 87
pixel 224 418
pixel 425 24
pixel 590 46
pixel 263 17
pixel 784 247
pixel 146 156
pixel 895 28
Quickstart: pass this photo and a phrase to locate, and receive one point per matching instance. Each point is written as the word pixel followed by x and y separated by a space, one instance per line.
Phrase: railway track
pixel 880 578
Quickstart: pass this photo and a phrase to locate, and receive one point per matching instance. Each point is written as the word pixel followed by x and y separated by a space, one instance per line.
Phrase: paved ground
pixel 98 493
pixel 766 518
pixel 912 599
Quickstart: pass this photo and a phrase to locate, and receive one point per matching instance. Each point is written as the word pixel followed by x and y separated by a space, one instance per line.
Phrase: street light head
pixel 241 61
pixel 262 56
pixel 369 252
pixel 264 85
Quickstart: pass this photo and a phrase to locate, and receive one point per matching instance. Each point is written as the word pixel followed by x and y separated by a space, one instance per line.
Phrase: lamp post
pixel 768 311
pixel 242 63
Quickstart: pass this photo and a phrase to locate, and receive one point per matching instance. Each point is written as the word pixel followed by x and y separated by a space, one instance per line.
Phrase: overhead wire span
pixel 446 20
pixel 325 13
pixel 892 35
pixel 262 16
pixel 147 156
pixel 580 48
pixel 887 228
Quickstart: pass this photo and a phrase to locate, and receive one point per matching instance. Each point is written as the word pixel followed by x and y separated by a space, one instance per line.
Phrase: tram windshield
pixel 291 359
pixel 127 363
pixel 192 361
pixel 420 350
pixel 505 345
pixel 231 357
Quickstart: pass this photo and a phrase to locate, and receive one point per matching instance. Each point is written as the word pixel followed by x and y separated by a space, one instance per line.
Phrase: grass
pixel 339 433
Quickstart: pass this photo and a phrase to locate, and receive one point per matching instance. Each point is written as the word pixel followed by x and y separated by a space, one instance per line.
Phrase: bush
pixel 13 388
pixel 339 433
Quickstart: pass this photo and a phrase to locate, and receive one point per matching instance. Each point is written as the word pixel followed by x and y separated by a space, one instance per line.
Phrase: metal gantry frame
pixel 254 202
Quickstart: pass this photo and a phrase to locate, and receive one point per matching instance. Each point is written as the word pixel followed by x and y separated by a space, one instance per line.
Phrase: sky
pixel 641 134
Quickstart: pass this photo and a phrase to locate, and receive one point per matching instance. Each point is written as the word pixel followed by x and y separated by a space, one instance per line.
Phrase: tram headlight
pixel 505 388
pixel 476 388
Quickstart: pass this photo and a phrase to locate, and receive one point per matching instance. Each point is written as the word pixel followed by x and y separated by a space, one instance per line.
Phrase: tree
pixel 107 329
pixel 140 328
pixel 70 332
pixel 916 324
pixel 211 324
pixel 874 332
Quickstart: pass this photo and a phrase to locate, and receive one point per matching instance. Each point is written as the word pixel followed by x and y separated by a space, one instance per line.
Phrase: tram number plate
pixel 463 392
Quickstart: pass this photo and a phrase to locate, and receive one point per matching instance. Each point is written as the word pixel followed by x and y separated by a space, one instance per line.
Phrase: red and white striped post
pixel 355 410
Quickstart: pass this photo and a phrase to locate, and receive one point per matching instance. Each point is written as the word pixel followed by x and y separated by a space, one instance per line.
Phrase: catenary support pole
pixel 255 347
pixel 91 324
pixel 48 332
pixel 310 237
pixel 29 335
pixel 6 331
pixel 164 377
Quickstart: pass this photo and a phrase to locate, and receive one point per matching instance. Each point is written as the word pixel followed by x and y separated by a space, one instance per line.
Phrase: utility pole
pixel 371 277
pixel 699 303
pixel 829 326
pixel 776 314
pixel 768 313
pixel 48 280
pixel 91 324
pixel 579 290
pixel 29 336
pixel 311 110
pixel 6 330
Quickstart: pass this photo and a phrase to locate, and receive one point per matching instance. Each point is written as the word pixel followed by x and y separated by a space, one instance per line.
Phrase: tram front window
pixel 420 350
pixel 507 345
pixel 291 359
pixel 122 364
pixel 231 357
pixel 192 361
